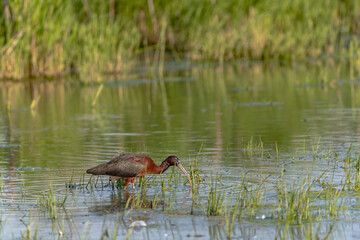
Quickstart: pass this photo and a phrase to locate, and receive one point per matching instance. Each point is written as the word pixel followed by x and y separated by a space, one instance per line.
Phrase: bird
pixel 130 166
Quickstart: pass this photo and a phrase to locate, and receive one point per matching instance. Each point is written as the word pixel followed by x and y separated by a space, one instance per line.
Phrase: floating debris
pixel 138 224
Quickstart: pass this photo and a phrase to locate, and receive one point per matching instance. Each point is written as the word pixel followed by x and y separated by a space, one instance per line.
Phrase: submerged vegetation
pixel 95 38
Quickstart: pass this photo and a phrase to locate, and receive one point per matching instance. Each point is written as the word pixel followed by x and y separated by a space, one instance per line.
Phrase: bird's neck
pixel 162 168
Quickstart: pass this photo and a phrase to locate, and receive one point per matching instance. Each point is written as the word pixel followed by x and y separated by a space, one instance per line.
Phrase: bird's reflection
pixel 122 200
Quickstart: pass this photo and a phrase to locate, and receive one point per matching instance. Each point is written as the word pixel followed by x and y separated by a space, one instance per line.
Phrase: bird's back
pixel 124 165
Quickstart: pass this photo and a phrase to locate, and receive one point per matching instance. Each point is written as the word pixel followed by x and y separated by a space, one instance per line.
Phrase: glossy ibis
pixel 130 166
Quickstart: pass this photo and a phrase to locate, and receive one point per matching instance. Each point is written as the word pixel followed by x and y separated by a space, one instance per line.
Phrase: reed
pixel 231 212
pixel 315 148
pixel 93 39
pixel 295 204
pixel 215 198
pixel 195 172
pixel 97 95
pixel 254 147
pixel 34 102
pixel 29 232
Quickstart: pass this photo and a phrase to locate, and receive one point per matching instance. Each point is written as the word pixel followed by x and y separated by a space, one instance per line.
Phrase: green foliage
pixel 91 38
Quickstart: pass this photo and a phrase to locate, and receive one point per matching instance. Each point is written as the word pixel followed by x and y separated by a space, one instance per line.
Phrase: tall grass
pixel 93 38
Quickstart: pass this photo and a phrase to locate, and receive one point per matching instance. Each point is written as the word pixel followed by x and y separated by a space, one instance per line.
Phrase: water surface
pixel 222 115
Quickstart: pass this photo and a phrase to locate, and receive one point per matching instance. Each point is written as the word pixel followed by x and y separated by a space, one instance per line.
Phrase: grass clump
pixel 215 199
pixel 295 204
pixel 50 202
pixel 254 147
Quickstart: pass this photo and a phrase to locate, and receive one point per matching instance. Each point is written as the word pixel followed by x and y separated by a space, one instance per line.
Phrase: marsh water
pixel 239 120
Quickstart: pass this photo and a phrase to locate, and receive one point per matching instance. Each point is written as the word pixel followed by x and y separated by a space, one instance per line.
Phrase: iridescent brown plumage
pixel 130 166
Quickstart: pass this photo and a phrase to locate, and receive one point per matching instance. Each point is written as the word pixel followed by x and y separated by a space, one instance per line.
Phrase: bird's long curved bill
pixel 184 171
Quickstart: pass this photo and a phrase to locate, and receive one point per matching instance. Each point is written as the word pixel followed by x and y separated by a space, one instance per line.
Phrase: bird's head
pixel 174 161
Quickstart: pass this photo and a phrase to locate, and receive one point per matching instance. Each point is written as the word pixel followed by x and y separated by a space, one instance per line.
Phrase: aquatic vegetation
pixel 50 202
pixel 254 147
pixel 215 199
pixel 295 204
pixel 27 234
pixel 67 37
pixel 34 102
pixel 231 213
pixel 196 180
pixel 97 95
pixel 315 148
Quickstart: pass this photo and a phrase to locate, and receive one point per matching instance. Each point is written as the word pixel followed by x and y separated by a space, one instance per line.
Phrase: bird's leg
pixel 127 181
pixel 133 183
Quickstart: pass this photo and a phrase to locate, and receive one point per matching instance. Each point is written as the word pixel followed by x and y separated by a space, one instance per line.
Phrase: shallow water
pixel 237 119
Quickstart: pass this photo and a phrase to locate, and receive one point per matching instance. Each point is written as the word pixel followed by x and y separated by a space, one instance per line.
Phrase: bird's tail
pixel 98 170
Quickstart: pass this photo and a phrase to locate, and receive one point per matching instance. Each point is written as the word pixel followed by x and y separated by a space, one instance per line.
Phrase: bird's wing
pixel 124 169
pixel 124 166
